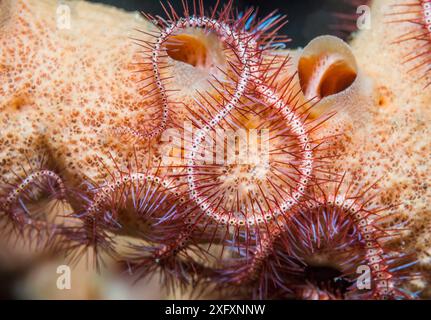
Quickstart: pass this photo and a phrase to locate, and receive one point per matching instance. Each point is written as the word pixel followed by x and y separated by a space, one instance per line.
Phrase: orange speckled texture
pixel 62 92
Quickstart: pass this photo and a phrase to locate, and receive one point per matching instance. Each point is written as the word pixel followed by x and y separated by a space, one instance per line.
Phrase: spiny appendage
pixel 417 13
pixel 156 49
pixel 253 195
pixel 317 254
pixel 260 186
pixel 247 39
pixel 32 179
pixel 87 237
pixel 250 194
pixel 254 272
pixel 177 259
pixel 140 204
pixel 131 135
pixel 337 234
pixel 33 205
pixel 256 86
pixel 169 244
pixel 242 38
pixel 117 192
pixel 133 203
pixel 233 113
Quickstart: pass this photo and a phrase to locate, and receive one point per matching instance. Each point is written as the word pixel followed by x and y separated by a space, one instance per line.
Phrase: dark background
pixel 307 18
